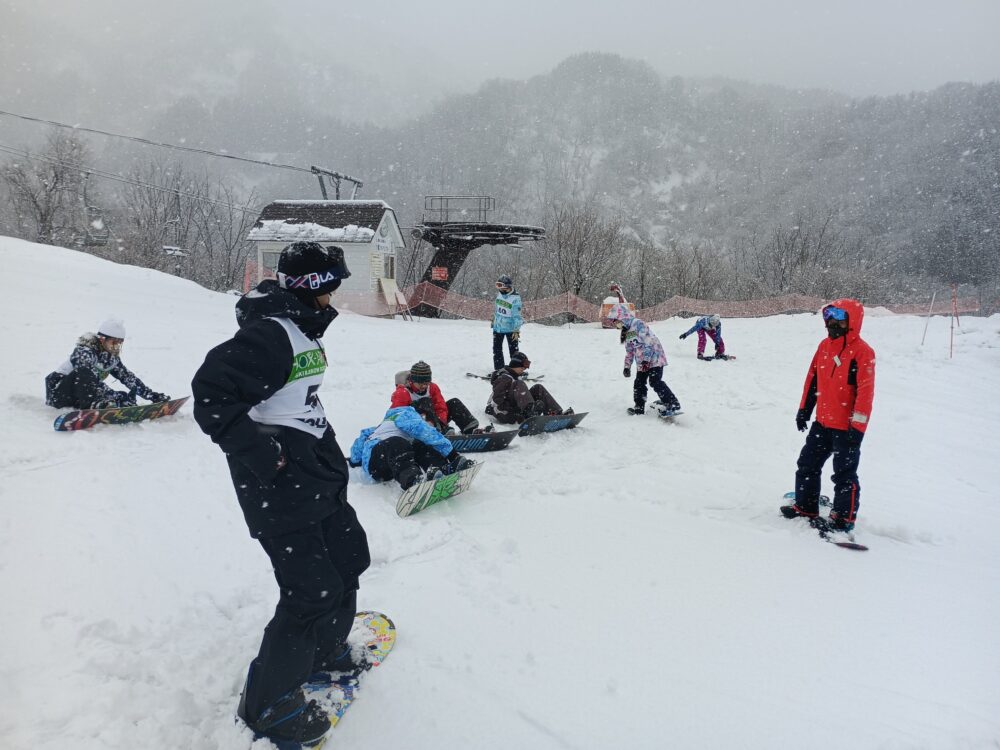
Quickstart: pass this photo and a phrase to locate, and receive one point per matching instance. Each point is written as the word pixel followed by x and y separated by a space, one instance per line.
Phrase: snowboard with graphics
pixel 86 418
pixel 335 691
pixel 550 423
pixel 425 494
pixel 481 442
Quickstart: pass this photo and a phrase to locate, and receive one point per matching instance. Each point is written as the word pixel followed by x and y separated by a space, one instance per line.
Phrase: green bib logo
pixel 307 364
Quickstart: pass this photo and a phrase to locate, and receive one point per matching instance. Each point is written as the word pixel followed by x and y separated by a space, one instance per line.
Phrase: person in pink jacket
pixel 642 346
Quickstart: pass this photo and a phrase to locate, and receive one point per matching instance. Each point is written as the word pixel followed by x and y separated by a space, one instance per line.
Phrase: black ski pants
pixel 317 569
pixel 542 403
pixel 397 458
pixel 80 389
pixel 654 375
pixel 845 446
pixel 498 348
pixel 461 416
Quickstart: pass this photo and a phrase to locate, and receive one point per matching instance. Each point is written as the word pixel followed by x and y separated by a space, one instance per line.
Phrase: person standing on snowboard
pixel 710 325
pixel 840 384
pixel 506 320
pixel 256 396
pixel 78 383
pixel 642 346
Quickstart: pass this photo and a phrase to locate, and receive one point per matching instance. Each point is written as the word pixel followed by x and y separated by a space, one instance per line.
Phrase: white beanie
pixel 113 328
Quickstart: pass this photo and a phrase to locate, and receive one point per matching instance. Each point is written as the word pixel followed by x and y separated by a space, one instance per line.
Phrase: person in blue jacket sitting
pixel 506 320
pixel 406 447
pixel 710 325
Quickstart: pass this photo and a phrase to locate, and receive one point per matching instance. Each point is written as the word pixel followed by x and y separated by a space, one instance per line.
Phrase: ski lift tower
pixel 455 225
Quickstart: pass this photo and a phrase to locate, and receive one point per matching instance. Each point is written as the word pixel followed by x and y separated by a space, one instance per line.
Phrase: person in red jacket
pixel 840 384
pixel 415 388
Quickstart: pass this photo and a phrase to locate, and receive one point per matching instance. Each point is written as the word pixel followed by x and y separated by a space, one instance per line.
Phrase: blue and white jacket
pixel 507 313
pixel 702 324
pixel 400 421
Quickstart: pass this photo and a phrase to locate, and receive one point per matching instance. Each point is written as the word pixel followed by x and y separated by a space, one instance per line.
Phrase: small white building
pixel 366 230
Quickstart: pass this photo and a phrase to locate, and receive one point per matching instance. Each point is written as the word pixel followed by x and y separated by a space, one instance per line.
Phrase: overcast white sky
pixel 858 47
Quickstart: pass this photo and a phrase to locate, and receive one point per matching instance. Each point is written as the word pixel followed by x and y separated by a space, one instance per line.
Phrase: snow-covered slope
pixel 627 584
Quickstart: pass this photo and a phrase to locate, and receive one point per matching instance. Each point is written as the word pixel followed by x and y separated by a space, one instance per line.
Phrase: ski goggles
pixel 834 313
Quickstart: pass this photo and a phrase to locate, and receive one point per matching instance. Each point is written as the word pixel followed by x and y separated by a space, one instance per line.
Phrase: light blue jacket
pixel 507 313
pixel 408 424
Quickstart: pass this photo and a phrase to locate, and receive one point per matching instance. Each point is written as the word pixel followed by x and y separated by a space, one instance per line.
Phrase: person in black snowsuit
pixel 512 401
pixel 256 396
pixel 78 383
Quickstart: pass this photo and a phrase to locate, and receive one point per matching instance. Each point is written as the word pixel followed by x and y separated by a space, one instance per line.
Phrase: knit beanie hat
pixel 420 372
pixel 111 328
pixel 519 359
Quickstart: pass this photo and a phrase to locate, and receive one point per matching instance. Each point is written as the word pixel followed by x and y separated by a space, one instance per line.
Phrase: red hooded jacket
pixel 841 378
pixel 403 397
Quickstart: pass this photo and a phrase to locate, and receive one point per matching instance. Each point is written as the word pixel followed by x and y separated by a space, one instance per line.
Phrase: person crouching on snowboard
pixel 415 386
pixel 406 447
pixel 710 325
pixel 840 384
pixel 642 345
pixel 512 401
pixel 78 383
pixel 256 396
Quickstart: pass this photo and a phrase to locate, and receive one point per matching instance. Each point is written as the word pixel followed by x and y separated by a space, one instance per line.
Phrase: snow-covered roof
pixel 320 221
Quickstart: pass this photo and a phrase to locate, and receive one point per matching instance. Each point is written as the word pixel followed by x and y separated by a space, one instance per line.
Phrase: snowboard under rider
pixel 415 385
pixel 78 382
pixel 507 320
pixel 709 326
pixel 642 346
pixel 512 401
pixel 257 396
pixel 840 384
pixel 407 447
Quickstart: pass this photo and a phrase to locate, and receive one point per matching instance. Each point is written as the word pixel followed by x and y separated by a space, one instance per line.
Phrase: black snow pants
pixel 80 389
pixel 654 375
pixel 317 569
pixel 396 458
pixel 845 446
pixel 461 416
pixel 498 348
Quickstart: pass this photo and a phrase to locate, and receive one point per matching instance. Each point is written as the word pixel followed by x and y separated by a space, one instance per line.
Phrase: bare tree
pixel 585 249
pixel 46 189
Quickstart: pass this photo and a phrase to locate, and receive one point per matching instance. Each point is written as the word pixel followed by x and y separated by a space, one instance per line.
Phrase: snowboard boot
pixel 837 523
pixel 637 409
pixel 568 411
pixel 471 428
pixel 670 410
pixel 344 668
pixel 409 477
pixel 483 430
pixel 795 511
pixel 290 719
pixel 723 357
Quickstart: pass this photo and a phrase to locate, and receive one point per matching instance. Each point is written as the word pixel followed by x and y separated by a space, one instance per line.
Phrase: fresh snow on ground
pixel 626 584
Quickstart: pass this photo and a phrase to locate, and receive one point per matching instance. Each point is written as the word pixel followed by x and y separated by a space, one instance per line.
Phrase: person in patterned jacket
pixel 78 382
pixel 840 385
pixel 642 346
pixel 257 397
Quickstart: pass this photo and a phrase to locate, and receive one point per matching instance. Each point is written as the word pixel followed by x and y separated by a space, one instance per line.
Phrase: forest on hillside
pixel 714 189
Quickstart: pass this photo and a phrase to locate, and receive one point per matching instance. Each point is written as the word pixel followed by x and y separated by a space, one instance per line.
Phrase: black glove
pixel 854 437
pixel 157 398
pixel 682 336
pixel 802 420
pixel 627 372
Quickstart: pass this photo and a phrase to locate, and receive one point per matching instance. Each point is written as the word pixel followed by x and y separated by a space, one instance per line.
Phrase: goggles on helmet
pixel 834 313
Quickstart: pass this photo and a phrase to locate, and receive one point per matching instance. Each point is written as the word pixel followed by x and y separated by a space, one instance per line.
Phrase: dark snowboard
pixel 85 418
pixel 843 539
pixel 550 423
pixel 482 442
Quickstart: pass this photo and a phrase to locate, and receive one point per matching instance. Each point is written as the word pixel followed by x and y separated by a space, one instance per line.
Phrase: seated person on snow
pixel 78 382
pixel 512 401
pixel 710 325
pixel 414 386
pixel 406 447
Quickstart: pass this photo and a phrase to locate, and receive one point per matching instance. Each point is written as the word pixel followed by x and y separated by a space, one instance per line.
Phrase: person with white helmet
pixel 78 383
pixel 643 346
pixel 506 320
pixel 710 325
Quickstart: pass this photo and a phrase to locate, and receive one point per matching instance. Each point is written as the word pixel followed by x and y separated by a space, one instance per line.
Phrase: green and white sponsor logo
pixel 307 364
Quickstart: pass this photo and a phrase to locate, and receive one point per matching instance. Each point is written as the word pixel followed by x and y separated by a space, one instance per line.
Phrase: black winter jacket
pixel 241 373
